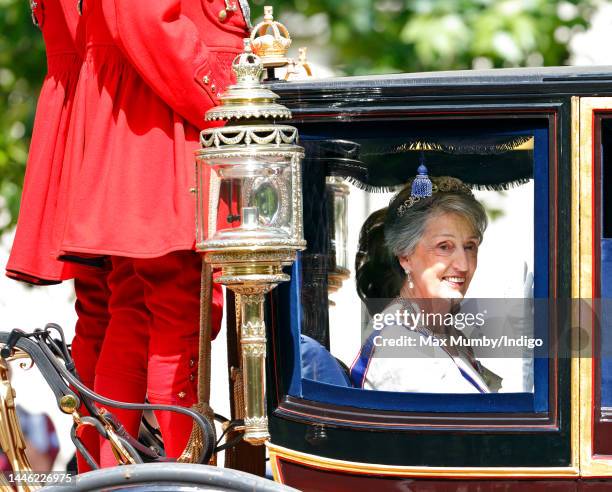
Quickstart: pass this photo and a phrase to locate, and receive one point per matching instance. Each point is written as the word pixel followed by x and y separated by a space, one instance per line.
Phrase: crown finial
pixel 271 40
pixel 247 66
pixel 268 13
pixel 247 98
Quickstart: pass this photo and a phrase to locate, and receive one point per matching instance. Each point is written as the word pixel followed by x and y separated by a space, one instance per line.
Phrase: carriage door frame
pixel 586 171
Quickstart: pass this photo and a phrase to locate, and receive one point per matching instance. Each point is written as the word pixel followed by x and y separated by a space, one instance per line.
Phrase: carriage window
pixel 603 352
pixel 427 253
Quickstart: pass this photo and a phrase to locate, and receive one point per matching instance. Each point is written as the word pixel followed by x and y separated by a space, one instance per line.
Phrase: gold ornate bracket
pixel 12 440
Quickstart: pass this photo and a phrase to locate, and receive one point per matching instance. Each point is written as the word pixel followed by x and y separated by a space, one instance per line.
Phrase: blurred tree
pixel 384 36
pixel 22 68
pixel 360 36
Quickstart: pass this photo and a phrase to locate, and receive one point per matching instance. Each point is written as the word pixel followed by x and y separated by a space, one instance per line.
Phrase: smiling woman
pixel 431 241
pixel 436 239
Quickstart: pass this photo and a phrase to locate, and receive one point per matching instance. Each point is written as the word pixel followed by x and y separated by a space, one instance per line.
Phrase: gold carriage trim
pixel 281 453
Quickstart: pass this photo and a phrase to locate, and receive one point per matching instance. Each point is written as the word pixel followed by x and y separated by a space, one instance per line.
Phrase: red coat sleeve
pixel 166 48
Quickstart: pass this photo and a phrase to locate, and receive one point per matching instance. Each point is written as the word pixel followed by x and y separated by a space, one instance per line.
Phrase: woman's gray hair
pixel 404 230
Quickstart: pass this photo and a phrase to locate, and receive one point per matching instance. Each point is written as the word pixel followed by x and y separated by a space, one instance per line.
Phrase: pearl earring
pixel 409 278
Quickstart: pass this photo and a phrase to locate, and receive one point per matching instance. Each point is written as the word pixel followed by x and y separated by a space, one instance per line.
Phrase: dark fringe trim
pixel 340 166
pixel 499 186
pixel 369 188
pixel 455 148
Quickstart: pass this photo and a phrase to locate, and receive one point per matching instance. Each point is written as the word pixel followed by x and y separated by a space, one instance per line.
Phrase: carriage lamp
pixel 338 268
pixel 249 179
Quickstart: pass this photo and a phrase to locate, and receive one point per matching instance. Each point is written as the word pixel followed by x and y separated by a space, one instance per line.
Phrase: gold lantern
pixel 249 180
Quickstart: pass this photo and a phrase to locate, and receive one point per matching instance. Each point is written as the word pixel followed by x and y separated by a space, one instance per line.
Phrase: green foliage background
pixel 384 36
pixel 359 36
pixel 22 68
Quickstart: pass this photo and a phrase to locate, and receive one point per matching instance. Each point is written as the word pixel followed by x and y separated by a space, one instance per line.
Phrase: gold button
pixel 213 88
pixel 191 362
pixel 191 377
pixel 182 394
pixel 206 79
pixel 222 15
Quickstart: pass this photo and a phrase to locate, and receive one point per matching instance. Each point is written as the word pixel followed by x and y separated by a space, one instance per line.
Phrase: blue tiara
pixel 423 187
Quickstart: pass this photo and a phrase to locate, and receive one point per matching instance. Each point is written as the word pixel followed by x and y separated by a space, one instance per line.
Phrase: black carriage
pixel 539 138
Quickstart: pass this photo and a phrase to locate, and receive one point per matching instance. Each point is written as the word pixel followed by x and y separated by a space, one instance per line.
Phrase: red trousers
pixel 92 295
pixel 152 341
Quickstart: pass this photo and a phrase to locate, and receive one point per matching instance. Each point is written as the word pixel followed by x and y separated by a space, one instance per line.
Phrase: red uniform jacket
pixel 151 71
pixel 31 255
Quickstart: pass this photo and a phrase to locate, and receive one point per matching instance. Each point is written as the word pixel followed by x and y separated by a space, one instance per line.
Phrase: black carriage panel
pixel 359 153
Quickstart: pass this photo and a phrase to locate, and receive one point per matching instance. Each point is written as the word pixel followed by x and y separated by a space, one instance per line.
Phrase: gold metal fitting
pixel 68 404
pixel 121 454
pixel 300 68
pixel 252 269
pixel 271 40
